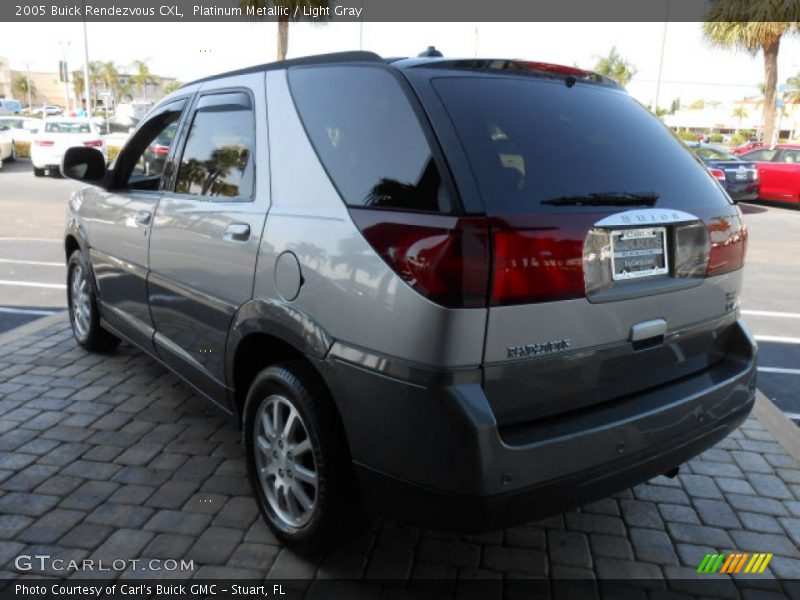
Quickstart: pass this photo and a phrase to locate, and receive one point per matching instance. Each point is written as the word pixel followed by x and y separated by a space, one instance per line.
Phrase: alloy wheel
pixel 80 301
pixel 287 469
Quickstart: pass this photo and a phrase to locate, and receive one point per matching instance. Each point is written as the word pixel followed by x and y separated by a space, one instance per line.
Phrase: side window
pixel 142 162
pixel 218 157
pixel 764 155
pixel 791 157
pixel 368 137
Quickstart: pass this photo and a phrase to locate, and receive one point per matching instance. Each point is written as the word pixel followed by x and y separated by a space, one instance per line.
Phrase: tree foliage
pixel 615 66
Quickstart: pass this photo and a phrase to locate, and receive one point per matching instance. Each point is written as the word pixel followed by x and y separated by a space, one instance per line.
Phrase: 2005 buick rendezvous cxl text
pixel 463 293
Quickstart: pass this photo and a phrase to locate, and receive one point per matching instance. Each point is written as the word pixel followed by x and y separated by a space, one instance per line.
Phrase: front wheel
pixel 37 172
pixel 298 460
pixel 82 303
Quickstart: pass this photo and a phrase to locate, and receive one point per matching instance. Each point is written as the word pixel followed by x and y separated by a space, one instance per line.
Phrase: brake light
pixel 44 142
pixel 94 144
pixel 159 150
pixel 551 68
pixel 444 258
pixel 717 174
pixel 728 244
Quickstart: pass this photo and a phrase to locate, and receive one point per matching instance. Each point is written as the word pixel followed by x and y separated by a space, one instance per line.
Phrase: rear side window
pixel 791 157
pixel 764 155
pixel 217 159
pixel 369 139
pixel 542 146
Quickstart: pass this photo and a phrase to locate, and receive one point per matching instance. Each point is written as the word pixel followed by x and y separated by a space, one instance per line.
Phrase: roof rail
pixel 317 59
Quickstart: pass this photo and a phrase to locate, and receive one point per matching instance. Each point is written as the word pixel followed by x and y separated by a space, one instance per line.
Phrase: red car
pixel 779 171
pixel 746 147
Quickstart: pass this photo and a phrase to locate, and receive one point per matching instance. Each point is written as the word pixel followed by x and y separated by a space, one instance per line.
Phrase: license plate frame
pixel 630 248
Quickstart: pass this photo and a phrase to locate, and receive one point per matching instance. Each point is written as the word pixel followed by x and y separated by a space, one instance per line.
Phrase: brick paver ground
pixel 112 457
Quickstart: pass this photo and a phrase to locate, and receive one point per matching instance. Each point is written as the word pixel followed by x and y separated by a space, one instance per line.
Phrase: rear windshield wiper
pixel 606 199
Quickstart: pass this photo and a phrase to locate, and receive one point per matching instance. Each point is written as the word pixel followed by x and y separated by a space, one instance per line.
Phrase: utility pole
pixel 661 59
pixel 86 67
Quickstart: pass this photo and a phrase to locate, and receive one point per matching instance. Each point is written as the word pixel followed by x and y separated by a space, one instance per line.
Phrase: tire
pixel 13 156
pixel 335 512
pixel 37 172
pixel 84 315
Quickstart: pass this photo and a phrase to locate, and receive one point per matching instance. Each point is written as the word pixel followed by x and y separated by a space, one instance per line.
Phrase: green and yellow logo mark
pixel 736 562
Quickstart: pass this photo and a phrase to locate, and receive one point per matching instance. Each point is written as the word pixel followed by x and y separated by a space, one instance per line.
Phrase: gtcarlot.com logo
pixel 735 562
pixel 44 562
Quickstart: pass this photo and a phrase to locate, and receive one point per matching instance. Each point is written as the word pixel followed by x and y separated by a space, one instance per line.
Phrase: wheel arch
pixel 266 332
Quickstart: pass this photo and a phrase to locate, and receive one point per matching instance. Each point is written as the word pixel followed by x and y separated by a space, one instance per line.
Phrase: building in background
pixel 50 90
pixel 731 117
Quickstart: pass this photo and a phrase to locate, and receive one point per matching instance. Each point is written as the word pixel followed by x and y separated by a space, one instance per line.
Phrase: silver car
pixel 463 293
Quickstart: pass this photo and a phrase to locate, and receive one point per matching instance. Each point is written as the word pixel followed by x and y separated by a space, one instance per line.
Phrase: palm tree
pixel 287 7
pixel 77 85
pixel 95 77
pixel 793 83
pixel 143 77
pixel 755 26
pixel 740 113
pixel 110 75
pixel 23 86
pixel 172 86
pixel 616 67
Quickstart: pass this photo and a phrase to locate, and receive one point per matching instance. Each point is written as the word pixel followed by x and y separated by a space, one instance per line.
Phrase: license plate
pixel 741 175
pixel 639 253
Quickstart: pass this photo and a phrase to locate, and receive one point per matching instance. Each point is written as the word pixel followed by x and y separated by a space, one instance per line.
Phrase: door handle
pixel 143 217
pixel 239 232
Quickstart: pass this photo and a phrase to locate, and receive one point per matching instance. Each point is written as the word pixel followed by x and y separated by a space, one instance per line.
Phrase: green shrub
pixel 716 138
pixel 687 136
pixel 737 140
pixel 23 149
pixel 112 153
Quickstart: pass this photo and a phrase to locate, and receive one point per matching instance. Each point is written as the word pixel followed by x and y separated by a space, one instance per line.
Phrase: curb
pixel 32 327
pixel 785 432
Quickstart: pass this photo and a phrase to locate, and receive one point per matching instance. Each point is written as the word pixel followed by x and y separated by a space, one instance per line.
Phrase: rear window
pixel 369 139
pixel 57 127
pixel 538 145
pixel 714 153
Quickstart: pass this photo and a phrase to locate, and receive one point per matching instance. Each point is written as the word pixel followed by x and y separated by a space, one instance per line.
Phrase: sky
pixel 691 69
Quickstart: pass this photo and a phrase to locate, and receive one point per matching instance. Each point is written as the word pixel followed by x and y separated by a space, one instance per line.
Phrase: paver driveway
pixel 112 457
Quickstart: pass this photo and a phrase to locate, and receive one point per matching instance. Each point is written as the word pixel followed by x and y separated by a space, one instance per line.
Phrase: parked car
pixel 21 129
pixel 463 293
pixel 9 106
pixel 747 146
pixel 7 149
pixel 55 136
pixel 779 170
pixel 48 110
pixel 737 176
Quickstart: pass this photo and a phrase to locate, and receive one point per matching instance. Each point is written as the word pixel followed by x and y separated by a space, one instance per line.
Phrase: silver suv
pixel 464 293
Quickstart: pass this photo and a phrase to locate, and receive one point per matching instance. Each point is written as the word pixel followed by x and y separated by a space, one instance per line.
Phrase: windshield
pixel 65 127
pixel 540 145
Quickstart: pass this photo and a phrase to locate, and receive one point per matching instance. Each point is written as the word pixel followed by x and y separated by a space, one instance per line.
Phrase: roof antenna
pixel 431 51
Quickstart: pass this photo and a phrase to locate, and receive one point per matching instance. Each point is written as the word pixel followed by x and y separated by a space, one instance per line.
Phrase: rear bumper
pixel 433 453
pixel 742 191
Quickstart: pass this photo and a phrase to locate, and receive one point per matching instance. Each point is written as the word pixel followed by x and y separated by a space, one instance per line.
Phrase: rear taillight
pixel 94 144
pixel 536 264
pixel 444 258
pixel 717 174
pixel 43 143
pixel 728 244
pixel 159 150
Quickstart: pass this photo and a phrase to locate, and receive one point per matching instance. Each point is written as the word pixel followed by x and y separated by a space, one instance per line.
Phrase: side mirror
pixel 84 164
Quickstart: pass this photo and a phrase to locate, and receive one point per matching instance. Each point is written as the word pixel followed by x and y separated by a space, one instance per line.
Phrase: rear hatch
pixel 615 256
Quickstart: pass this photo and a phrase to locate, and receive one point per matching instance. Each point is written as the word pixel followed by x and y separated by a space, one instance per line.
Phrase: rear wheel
pixel 37 172
pixel 82 303
pixel 298 461
pixel 13 156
